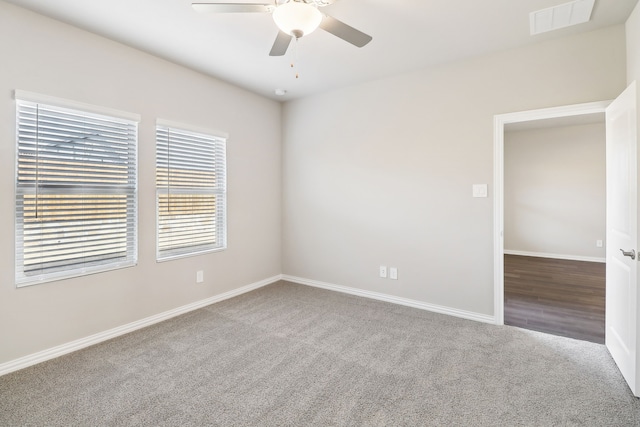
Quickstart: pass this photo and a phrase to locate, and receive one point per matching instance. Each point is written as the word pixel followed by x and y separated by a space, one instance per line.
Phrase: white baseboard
pixel 51 353
pixel 81 343
pixel 393 299
pixel 555 256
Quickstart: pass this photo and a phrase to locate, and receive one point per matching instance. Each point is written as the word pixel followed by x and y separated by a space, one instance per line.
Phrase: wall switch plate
pixel 393 273
pixel 599 243
pixel 480 190
pixel 383 271
pixel 199 276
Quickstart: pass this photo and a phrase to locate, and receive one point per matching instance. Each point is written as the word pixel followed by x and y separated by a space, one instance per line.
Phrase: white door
pixel 621 334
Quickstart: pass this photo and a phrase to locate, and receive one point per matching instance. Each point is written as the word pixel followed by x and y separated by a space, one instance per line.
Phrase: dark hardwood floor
pixel 555 296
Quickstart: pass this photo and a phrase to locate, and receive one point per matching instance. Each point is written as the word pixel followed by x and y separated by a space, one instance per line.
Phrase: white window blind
pixel 75 193
pixel 191 192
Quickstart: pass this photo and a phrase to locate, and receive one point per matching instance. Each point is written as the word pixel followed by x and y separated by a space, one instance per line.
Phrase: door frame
pixel 499 122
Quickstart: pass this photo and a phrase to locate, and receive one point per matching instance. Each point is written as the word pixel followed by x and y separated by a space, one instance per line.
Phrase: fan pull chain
pixel 295 56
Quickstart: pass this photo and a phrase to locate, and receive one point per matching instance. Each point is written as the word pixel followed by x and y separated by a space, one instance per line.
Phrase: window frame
pixel 91 112
pixel 221 139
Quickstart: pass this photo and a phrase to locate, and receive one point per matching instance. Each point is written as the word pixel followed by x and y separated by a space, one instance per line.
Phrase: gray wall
pixel 44 56
pixel 381 173
pixel 633 46
pixel 555 191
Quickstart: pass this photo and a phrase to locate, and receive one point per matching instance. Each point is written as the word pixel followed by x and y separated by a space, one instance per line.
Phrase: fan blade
pixel 232 7
pixel 344 31
pixel 281 44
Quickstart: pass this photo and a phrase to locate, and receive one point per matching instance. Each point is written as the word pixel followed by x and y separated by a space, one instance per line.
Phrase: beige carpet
pixel 290 355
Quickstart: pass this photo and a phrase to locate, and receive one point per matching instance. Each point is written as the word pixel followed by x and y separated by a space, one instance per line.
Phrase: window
pixel 75 192
pixel 190 192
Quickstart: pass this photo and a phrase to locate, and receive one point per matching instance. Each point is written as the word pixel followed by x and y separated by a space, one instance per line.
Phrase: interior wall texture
pixel 381 173
pixel 555 190
pixel 633 46
pixel 51 58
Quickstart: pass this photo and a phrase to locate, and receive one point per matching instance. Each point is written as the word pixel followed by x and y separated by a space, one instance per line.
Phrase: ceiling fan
pixel 294 18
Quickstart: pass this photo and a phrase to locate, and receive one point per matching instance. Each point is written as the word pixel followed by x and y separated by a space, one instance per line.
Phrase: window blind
pixel 191 192
pixel 75 193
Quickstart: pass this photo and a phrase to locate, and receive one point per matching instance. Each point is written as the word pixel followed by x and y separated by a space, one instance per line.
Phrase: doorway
pixel 622 296
pixel 555 225
pixel 576 112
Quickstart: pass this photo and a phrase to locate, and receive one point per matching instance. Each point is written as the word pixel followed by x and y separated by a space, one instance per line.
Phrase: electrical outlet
pixel 599 243
pixel 199 276
pixel 383 271
pixel 393 273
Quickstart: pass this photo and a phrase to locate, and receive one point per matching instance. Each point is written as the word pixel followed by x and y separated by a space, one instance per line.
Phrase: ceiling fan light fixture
pixel 297 18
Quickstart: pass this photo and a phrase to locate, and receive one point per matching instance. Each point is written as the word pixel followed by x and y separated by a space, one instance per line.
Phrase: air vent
pixel 561 16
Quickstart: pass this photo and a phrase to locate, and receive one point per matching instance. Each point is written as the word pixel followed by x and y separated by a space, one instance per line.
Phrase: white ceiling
pixel 407 35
